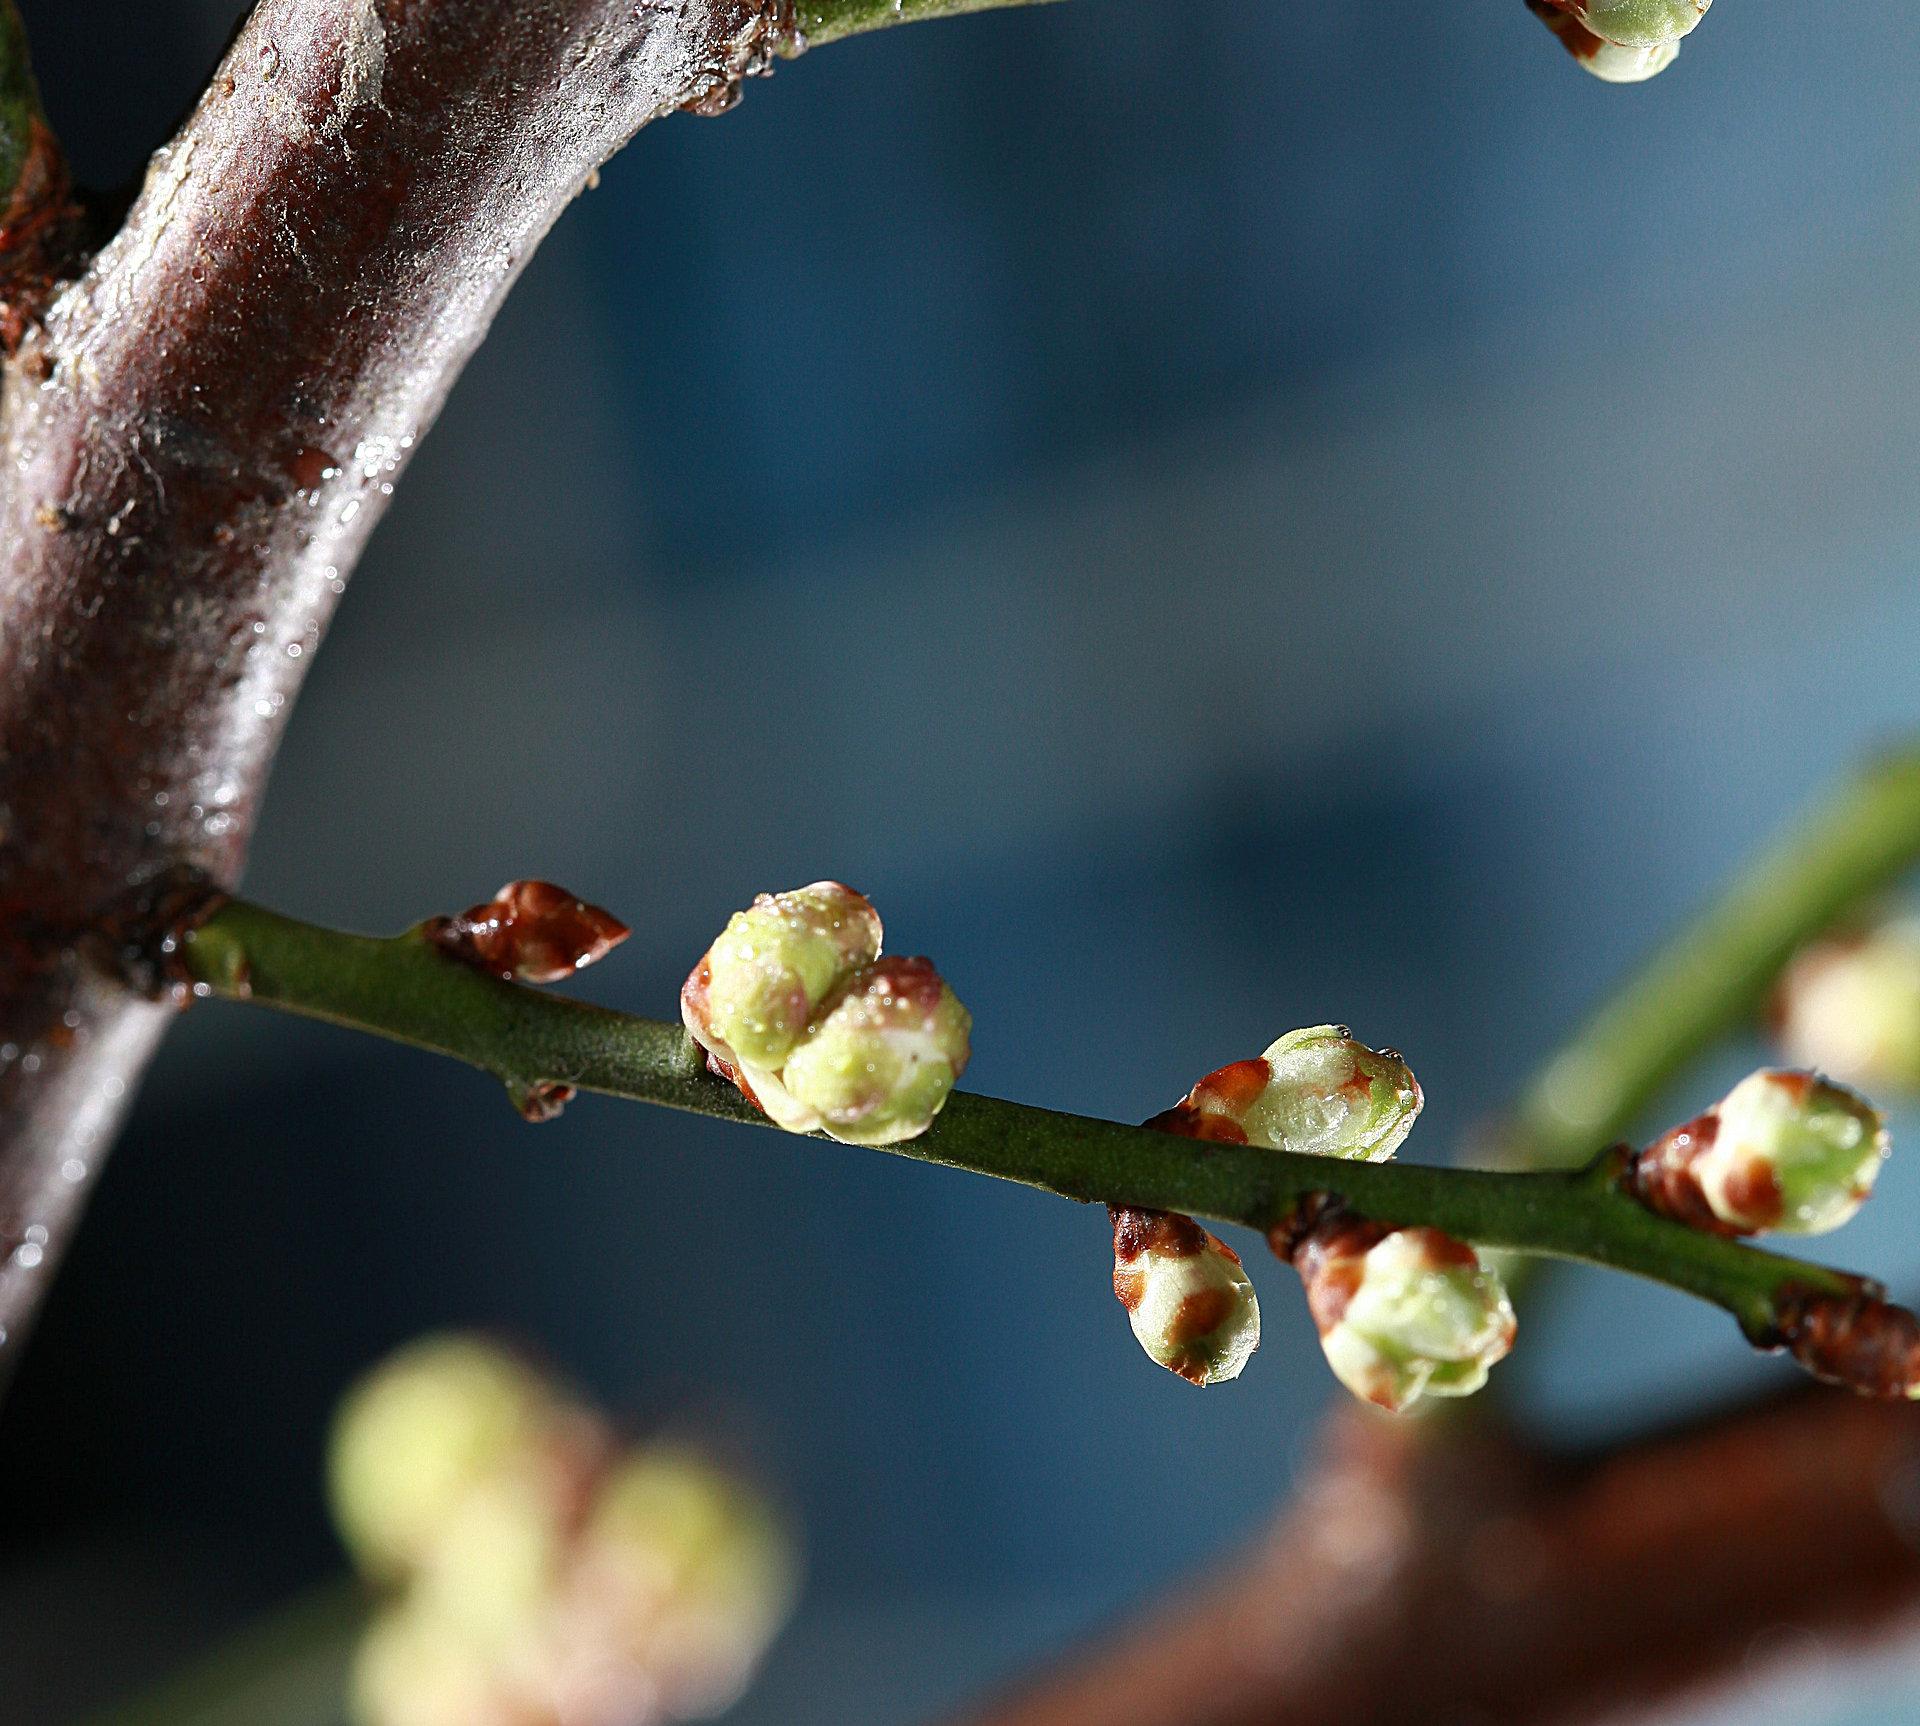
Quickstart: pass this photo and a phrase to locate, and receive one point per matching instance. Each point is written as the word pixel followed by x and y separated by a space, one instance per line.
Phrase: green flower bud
pixel 878 1062
pixel 1611 62
pixel 1639 23
pixel 751 998
pixel 1316 1091
pixel 1402 1313
pixel 1787 1151
pixel 414 1437
pixel 1851 1007
pixel 1190 1303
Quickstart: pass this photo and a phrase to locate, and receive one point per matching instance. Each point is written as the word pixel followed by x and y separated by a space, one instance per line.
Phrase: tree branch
pixel 1475 1577
pixel 410 988
pixel 198 435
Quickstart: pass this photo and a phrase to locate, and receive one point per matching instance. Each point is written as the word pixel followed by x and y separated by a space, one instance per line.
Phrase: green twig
pixel 289 1669
pixel 817 21
pixel 1714 976
pixel 20 116
pixel 410 988
pixel 1705 982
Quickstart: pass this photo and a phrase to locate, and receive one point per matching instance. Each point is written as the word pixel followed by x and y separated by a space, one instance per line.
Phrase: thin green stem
pixel 289 1669
pixel 410 988
pixel 1714 976
pixel 817 21
pixel 20 118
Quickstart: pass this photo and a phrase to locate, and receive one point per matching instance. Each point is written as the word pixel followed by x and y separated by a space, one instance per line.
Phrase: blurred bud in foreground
pixel 1402 1313
pixel 1315 1091
pixel 414 1437
pixel 1851 1007
pixel 530 932
pixel 1781 1150
pixel 556 1582
pixel 411 1669
pixel 795 1006
pixel 685 1571
pixel 1189 1301
pixel 1610 62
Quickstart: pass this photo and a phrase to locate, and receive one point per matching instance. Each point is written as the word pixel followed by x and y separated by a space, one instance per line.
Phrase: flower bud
pixel 498 1554
pixel 1610 62
pixel 530 932
pixel 749 1001
pixel 1851 1007
pixel 878 1062
pixel 1639 23
pixel 1315 1091
pixel 1401 1313
pixel 685 1573
pixel 1190 1303
pixel 1781 1150
pixel 1858 1340
pixel 412 1669
pixel 415 1437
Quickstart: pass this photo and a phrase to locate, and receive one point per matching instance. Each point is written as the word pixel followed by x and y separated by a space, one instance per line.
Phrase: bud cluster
pixel 795 1005
pixel 1402 1313
pixel 1786 1151
pixel 1850 1006
pixel 1621 41
pixel 540 1576
pixel 1315 1091
pixel 1189 1301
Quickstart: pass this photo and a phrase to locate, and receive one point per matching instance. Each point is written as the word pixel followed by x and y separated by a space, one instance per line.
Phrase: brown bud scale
pixel 530 932
pixel 1857 1340
pixel 1330 1253
pixel 1664 1179
pixel 1168 1232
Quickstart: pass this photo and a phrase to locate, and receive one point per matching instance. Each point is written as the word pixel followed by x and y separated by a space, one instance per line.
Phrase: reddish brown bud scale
pixel 1136 1232
pixel 1574 36
pixel 1328 1255
pixel 1857 1340
pixel 1664 1179
pixel 542 1100
pixel 530 932
pixel 1186 1121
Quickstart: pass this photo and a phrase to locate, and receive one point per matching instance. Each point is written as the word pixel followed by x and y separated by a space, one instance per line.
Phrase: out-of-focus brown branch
pixel 197 437
pixel 1426 1576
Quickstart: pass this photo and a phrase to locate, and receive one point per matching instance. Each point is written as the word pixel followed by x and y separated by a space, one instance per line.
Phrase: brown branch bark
pixel 198 439
pixel 1463 1575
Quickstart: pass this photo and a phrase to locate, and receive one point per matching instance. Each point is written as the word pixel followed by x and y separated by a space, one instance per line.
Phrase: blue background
pixel 1218 516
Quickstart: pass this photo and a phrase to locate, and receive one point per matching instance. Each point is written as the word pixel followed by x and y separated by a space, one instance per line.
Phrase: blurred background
pixel 1218 517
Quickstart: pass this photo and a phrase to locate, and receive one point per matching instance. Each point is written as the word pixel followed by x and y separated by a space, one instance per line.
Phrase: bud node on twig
pixel 1782 1150
pixel 1859 1340
pixel 1402 1312
pixel 529 932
